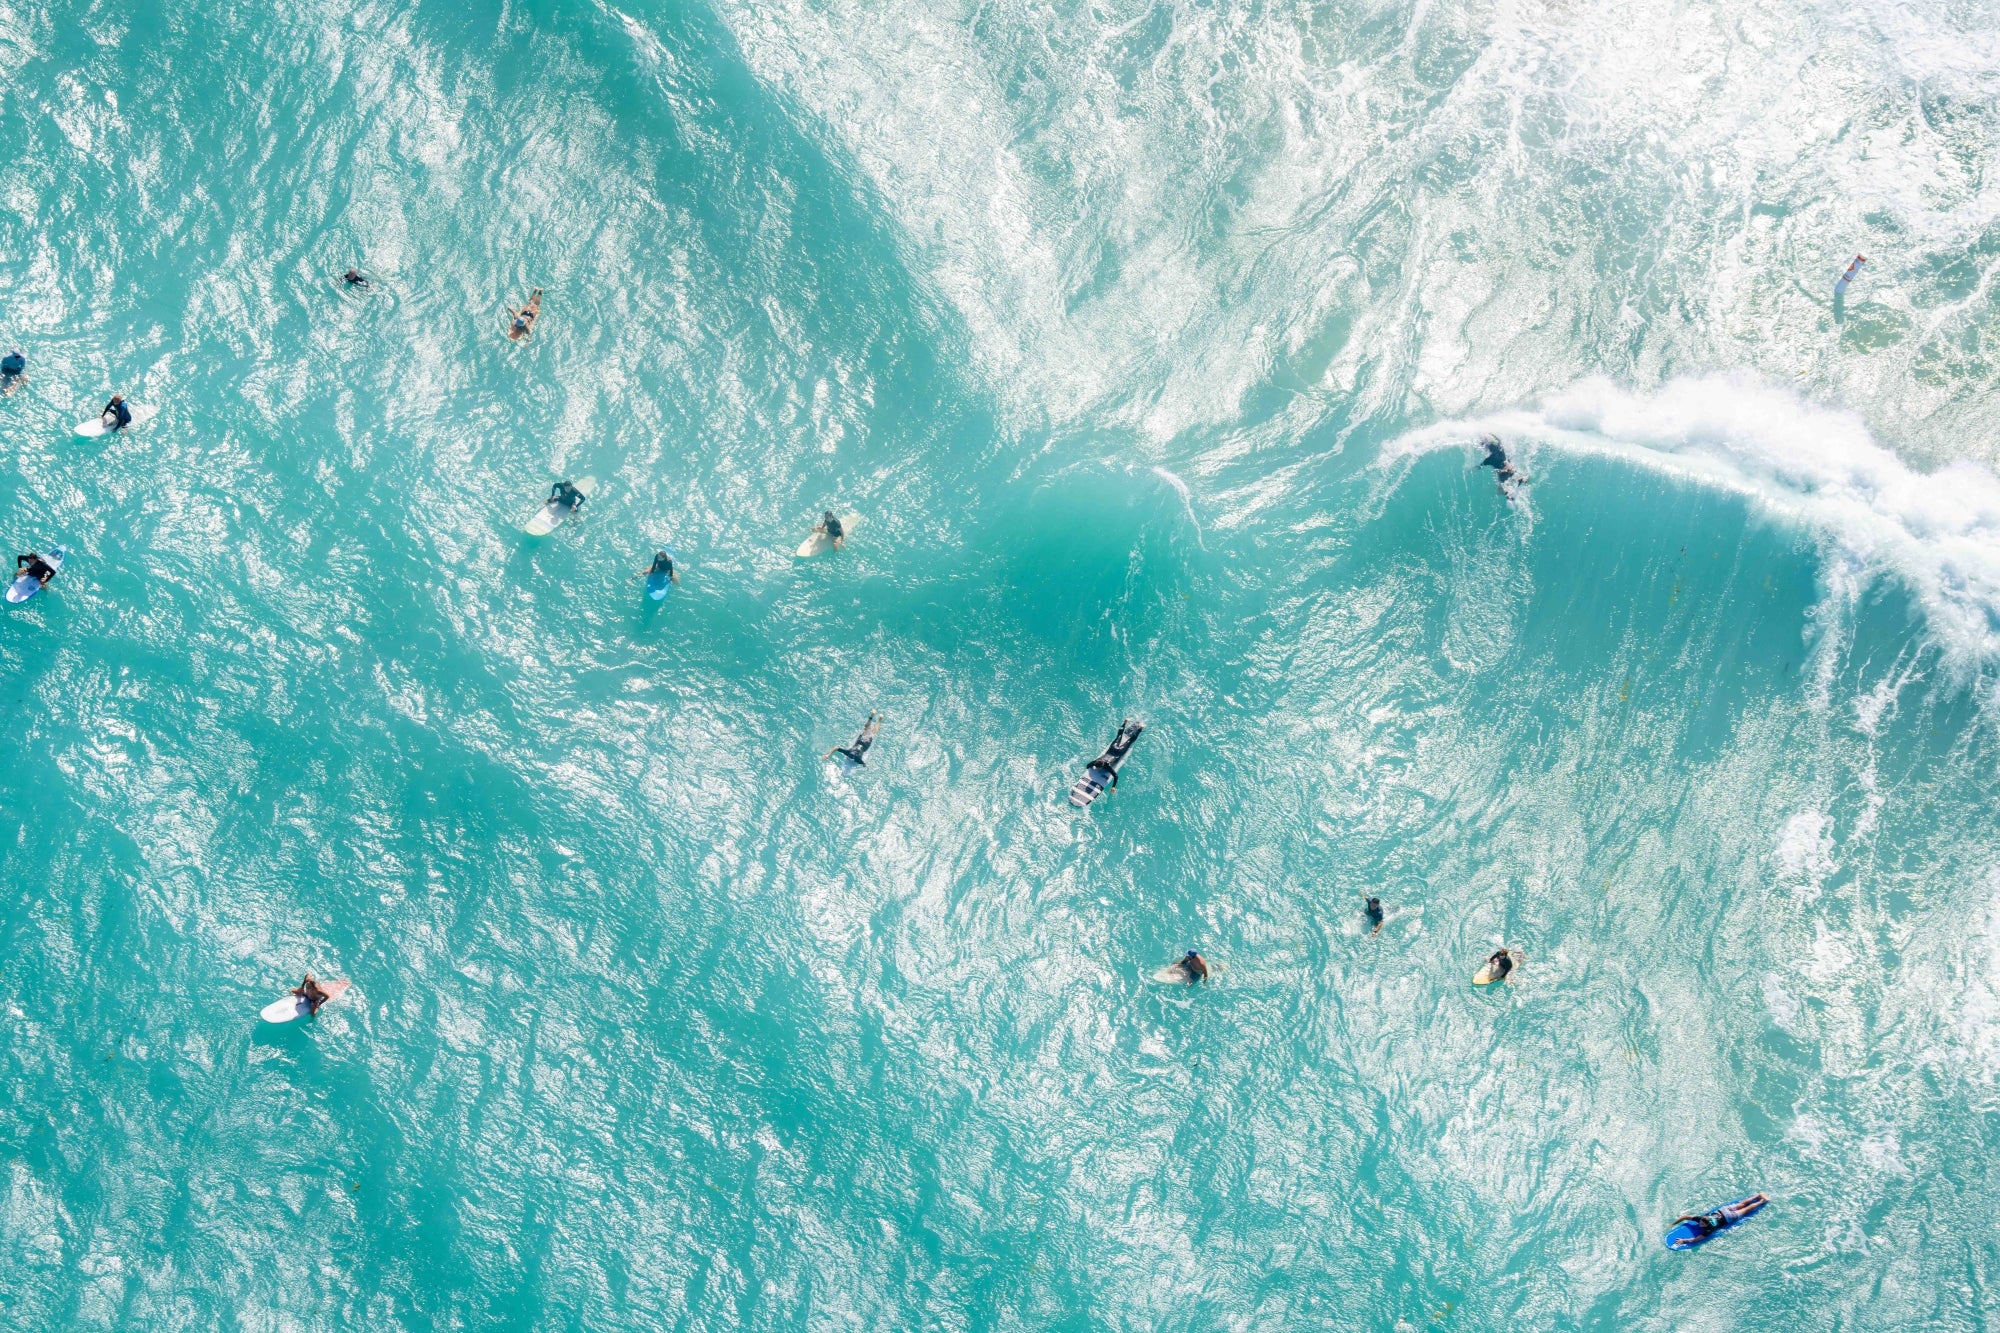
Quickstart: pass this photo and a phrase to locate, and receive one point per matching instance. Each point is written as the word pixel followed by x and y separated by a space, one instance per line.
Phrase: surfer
pixel 1704 1225
pixel 524 318
pixel 1853 272
pixel 1499 965
pixel 1496 458
pixel 662 564
pixel 566 498
pixel 854 752
pixel 1375 916
pixel 1195 968
pixel 356 279
pixel 309 991
pixel 830 525
pixel 117 414
pixel 12 367
pixel 36 568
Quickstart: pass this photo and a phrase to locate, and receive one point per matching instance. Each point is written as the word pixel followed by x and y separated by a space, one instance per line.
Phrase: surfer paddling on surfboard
pixel 852 753
pixel 1496 458
pixel 355 279
pixel 523 320
pixel 1102 773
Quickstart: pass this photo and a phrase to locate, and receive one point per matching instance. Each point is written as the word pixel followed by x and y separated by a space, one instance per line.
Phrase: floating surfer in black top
pixel 1496 458
pixel 1375 916
pixel 852 753
pixel 1102 772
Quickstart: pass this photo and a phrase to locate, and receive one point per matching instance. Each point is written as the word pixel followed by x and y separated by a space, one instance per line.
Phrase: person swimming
pixel 1496 458
pixel 523 320
pixel 853 753
pixel 1853 272
pixel 566 497
pixel 356 279
pixel 1500 964
pixel 830 525
pixel 117 414
pixel 35 567
pixel 662 564
pixel 1195 968
pixel 1375 916
pixel 309 991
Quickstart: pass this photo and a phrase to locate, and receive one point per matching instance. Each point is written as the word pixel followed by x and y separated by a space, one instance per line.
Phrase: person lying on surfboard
pixel 116 414
pixel 356 279
pixel 831 527
pixel 309 991
pixel 1705 1225
pixel 1196 968
pixel 662 564
pixel 1496 458
pixel 524 318
pixel 869 731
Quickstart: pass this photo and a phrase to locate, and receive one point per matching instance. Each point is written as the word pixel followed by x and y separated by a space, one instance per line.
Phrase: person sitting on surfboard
pixel 566 497
pixel 12 366
pixel 854 752
pixel 831 527
pixel 1496 458
pixel 662 564
pixel 32 564
pixel 117 415
pixel 355 278
pixel 309 991
pixel 1499 965
pixel 1375 916
pixel 524 318
pixel 1195 967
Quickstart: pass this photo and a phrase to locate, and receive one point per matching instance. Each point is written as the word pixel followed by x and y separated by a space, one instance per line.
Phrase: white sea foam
pixel 1939 532
pixel 1144 213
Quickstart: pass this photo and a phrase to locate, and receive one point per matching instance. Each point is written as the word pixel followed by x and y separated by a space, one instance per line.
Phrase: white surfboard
pixel 293 1006
pixel 548 518
pixel 818 543
pixel 91 429
pixel 1174 974
pixel 24 587
pixel 1484 976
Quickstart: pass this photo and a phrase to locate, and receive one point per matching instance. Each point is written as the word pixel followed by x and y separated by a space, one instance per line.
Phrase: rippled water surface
pixel 1150 343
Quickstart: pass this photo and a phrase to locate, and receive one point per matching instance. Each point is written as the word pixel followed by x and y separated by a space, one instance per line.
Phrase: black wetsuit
pixel 120 411
pixel 12 364
pixel 1375 913
pixel 1501 963
pixel 662 564
pixel 566 497
pixel 861 742
pixel 355 278
pixel 834 532
pixel 34 566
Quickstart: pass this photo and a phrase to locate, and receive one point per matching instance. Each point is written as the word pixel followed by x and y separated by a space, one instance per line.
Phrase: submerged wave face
pixel 1149 343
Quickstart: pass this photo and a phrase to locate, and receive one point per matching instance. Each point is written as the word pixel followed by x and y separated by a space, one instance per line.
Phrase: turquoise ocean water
pixel 1150 342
